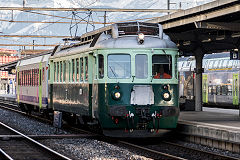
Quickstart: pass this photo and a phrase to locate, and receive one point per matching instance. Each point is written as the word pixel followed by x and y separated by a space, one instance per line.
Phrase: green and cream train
pixel 122 78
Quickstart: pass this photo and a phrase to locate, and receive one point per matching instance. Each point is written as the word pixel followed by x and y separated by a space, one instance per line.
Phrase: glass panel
pixel 100 66
pixel 210 64
pixel 224 90
pixel 77 70
pixel 69 72
pixel 60 71
pixel 73 70
pixel 219 90
pixel 119 66
pixel 230 63
pixel 57 71
pixel 64 71
pixel 141 66
pixel 229 88
pixel 162 67
pixel 86 68
pixel 225 62
pixel 82 74
pixel 215 65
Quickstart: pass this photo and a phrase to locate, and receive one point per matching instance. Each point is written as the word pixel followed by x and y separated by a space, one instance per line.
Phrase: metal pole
pixel 33 44
pixel 105 18
pixel 198 80
pixel 168 5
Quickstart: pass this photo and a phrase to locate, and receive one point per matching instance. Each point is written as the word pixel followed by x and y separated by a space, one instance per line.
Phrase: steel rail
pixel 35 142
pixel 219 156
pixel 151 150
pixel 5 155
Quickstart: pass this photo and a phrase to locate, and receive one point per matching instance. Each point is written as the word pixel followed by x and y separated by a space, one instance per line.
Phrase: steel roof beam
pixel 87 9
pixel 218 26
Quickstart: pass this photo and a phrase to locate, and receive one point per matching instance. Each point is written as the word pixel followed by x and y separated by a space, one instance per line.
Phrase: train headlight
pixel 166 96
pixel 141 38
pixel 117 95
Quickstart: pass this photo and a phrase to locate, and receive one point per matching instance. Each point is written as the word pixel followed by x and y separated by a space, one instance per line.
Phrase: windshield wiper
pixel 113 73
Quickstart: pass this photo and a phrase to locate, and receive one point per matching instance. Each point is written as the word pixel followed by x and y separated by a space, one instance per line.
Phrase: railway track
pixel 200 153
pixel 24 147
pixel 183 151
pixel 164 150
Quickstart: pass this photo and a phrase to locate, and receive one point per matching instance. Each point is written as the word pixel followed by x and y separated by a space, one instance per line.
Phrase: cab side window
pixel 100 66
pixel 162 67
pixel 86 68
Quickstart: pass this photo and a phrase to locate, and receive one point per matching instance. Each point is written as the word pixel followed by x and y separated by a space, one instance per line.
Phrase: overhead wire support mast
pixel 88 9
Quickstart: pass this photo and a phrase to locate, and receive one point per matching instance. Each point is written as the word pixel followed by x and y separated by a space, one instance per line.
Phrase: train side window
pixel 213 90
pixel 35 77
pixel 162 67
pixel 210 90
pixel 69 71
pixel 141 66
pixel 215 63
pixel 224 90
pixel 224 64
pixel 229 88
pixel 211 64
pixel 26 74
pixel 60 71
pixel 218 90
pixel 64 71
pixel 21 78
pixel 55 72
pixel 58 75
pixel 81 69
pixel 230 63
pixel 28 78
pixel 100 66
pixel 31 77
pixel 86 68
pixel 73 70
pixel 77 69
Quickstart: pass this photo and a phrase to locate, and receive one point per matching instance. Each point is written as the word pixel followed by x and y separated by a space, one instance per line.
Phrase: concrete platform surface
pixel 215 117
pixel 214 127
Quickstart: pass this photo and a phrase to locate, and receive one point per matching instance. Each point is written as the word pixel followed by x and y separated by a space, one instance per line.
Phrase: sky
pixel 67 29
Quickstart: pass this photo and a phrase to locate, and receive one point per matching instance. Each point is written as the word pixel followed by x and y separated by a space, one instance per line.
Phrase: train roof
pixel 217 55
pixel 34 58
pixel 119 35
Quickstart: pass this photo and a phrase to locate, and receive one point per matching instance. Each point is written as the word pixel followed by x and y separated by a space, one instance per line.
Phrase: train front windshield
pixel 119 66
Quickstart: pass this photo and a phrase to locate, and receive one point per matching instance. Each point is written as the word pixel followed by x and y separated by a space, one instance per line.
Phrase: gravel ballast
pixel 79 148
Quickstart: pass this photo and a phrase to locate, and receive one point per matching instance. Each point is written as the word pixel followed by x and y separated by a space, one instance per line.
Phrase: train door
pixel 40 85
pixel 235 89
pixel 94 88
pixel 18 83
pixel 205 88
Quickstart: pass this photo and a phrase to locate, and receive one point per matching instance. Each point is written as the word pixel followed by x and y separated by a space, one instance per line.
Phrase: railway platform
pixel 214 127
